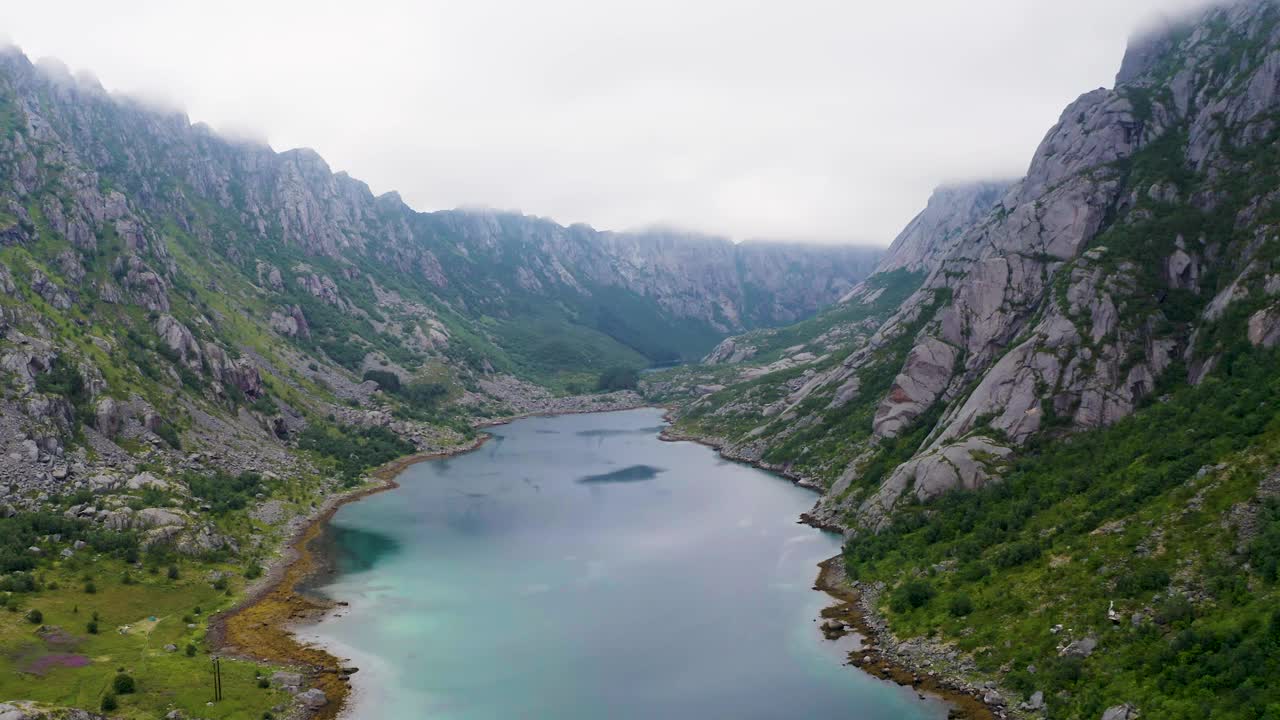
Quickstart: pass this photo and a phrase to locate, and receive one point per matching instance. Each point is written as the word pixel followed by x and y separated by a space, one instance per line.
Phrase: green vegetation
pixel 1123 514
pixel 618 378
pixel 224 492
pixel 27 530
pixel 387 381
pixel 124 663
pixel 353 450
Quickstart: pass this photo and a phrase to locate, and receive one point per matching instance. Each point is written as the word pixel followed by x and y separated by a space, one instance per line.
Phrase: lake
pixel 579 567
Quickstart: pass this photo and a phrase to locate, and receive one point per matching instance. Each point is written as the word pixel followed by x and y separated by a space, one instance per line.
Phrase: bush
pixel 618 378
pixel 191 650
pixel 264 683
pixel 90 588
pixel 387 381
pixel 92 627
pixel 960 606
pixel 109 703
pixel 911 595
pixel 167 433
pixel 123 684
pixel 225 492
pixel 355 449
pixel 35 617
pixel 64 379
pixel 173 572
pixel 1143 579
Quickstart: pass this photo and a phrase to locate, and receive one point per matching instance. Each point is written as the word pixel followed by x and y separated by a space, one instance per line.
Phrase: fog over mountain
pixel 752 119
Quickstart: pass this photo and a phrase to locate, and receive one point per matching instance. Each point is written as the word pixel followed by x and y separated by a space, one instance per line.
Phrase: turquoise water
pixel 578 567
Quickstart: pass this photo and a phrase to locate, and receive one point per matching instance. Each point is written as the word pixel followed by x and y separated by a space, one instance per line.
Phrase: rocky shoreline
pixel 918 664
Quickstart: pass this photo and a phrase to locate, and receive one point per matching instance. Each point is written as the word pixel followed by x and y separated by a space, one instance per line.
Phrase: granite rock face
pixel 1136 250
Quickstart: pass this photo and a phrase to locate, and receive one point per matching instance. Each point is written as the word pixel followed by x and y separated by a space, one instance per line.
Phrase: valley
pixel 1038 431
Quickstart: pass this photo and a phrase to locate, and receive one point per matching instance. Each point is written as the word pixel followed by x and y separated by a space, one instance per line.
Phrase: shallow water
pixel 578 567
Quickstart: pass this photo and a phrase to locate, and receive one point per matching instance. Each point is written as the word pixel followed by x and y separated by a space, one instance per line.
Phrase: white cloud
pixel 811 119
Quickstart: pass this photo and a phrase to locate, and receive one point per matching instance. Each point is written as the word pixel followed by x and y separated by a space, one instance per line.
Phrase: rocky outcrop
pixel 1137 245
pixel 291 323
pixel 951 210
pixel 179 340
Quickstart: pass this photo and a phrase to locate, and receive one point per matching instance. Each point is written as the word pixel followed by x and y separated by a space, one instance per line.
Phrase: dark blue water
pixel 578 567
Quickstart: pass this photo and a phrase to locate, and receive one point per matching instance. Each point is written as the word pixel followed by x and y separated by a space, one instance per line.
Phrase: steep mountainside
pixel 1059 451
pixel 202 339
pixel 664 295
pixel 157 280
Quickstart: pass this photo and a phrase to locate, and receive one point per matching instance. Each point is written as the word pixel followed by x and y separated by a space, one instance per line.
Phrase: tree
pixel 618 378
pixel 911 595
pixel 387 381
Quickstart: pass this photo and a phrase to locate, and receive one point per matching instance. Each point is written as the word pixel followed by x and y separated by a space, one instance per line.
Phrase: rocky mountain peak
pixel 951 209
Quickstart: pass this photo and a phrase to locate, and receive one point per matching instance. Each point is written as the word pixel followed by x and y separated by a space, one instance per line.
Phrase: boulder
pixel 1120 712
pixel 1081 648
pixel 313 698
pixel 160 517
pixel 286 679
pixel 146 480
pixel 109 416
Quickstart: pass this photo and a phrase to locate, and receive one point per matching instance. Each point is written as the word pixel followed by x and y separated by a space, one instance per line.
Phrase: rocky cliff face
pixel 932 234
pixel 159 167
pixel 1138 251
pixel 173 299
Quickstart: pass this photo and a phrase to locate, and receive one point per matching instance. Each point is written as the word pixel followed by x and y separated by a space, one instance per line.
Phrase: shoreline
pixel 273 607
pixel 260 626
pixel 266 617
pixel 850 615
pixel 854 613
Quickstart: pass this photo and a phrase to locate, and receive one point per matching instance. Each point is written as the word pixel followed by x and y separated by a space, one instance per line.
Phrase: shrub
pixel 387 381
pixel 90 588
pixel 109 702
pixel 35 617
pixel 960 606
pixel 1143 579
pixel 123 684
pixel 618 378
pixel 910 595
pixel 173 572
pixel 191 650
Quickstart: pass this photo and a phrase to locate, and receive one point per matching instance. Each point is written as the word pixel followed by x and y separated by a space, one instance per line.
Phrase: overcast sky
pixel 788 119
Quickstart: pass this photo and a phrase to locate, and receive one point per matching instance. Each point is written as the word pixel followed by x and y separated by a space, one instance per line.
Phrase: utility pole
pixel 217 678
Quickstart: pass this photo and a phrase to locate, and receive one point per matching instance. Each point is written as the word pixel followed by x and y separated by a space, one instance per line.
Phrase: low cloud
pixel 821 120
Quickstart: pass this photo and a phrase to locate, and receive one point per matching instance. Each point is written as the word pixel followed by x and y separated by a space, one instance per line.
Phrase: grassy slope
pixel 165 680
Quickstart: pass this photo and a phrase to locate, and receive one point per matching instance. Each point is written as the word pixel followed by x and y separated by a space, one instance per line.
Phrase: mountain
pixel 261 214
pixel 164 285
pixel 1056 456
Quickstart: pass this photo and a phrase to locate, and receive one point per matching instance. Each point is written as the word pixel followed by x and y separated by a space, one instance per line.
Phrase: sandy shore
pixel 261 626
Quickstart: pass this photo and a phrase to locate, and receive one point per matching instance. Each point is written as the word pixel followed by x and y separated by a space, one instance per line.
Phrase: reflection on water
pixel 634 473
